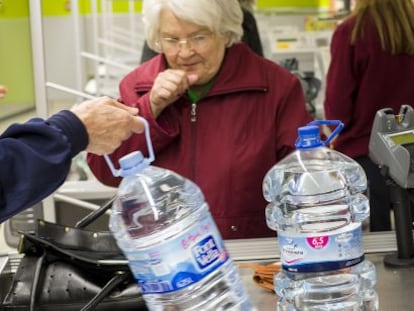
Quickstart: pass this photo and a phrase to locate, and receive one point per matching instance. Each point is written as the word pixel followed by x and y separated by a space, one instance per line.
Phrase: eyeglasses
pixel 197 42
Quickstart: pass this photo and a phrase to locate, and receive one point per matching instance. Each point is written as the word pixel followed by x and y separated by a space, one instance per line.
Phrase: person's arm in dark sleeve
pixel 35 159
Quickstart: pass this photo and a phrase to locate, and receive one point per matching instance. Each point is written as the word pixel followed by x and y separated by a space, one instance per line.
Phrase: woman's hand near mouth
pixel 168 87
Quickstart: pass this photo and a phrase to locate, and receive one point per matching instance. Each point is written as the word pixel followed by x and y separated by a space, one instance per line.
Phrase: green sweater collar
pixel 202 90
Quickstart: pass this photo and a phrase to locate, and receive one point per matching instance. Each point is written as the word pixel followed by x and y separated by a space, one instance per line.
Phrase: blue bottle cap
pixel 132 163
pixel 309 137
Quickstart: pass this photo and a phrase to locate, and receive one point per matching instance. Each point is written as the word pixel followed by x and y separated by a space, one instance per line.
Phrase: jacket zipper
pixel 193 119
pixel 193 114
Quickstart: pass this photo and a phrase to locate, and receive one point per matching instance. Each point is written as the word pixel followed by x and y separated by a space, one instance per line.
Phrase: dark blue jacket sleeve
pixel 35 158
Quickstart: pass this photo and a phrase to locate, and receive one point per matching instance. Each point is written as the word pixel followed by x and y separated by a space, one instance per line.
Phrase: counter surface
pixel 395 287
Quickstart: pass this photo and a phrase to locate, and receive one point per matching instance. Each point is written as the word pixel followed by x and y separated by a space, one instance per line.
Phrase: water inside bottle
pixel 316 205
pixel 173 246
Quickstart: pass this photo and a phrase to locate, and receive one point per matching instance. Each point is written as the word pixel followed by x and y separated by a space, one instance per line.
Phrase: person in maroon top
pixel 372 67
pixel 219 114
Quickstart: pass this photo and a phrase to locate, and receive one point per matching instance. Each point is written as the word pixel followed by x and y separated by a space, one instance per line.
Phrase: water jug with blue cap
pixel 317 204
pixel 175 251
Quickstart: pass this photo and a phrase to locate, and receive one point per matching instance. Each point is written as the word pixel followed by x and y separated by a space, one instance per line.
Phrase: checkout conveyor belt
pixel 395 286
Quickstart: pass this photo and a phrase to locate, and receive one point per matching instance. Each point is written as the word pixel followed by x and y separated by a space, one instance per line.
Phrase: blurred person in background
pixel 219 114
pixel 251 35
pixel 372 67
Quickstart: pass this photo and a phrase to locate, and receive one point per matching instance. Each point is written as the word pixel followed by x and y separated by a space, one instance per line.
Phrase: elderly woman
pixel 250 36
pixel 219 114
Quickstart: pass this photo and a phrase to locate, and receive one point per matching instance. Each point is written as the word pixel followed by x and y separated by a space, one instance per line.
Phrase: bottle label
pixel 180 262
pixel 316 253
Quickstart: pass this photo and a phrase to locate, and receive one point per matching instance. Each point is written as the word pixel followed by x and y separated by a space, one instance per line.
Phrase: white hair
pixel 223 17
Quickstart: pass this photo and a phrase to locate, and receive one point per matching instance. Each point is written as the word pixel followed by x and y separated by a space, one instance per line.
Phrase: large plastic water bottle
pixel 175 251
pixel 317 206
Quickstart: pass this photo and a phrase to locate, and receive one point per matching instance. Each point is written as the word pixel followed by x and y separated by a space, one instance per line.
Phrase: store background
pixel 64 66
pixel 16 67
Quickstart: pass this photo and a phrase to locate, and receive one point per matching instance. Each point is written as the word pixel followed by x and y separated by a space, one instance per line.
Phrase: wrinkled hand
pixel 108 123
pixel 168 87
pixel 3 91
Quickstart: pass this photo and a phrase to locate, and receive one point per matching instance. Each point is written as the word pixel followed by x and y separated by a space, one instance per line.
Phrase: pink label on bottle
pixel 318 242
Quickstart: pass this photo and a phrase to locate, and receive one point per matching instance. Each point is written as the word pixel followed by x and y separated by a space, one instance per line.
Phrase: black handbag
pixel 71 268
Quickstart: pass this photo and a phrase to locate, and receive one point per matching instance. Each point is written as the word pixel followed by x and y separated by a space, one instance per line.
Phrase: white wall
pixel 62 58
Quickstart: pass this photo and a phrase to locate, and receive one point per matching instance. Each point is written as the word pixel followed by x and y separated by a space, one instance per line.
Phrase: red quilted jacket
pixel 246 123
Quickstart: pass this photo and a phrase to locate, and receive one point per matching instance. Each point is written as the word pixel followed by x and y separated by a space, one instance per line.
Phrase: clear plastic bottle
pixel 175 251
pixel 316 204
